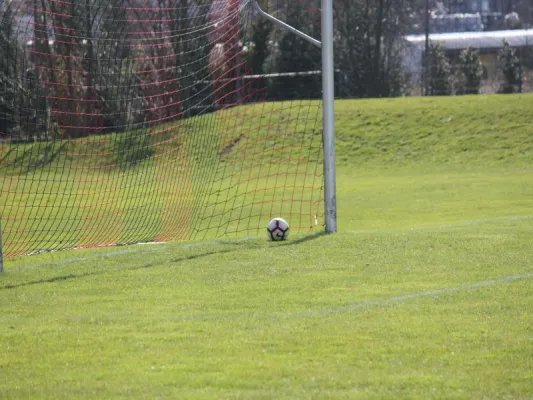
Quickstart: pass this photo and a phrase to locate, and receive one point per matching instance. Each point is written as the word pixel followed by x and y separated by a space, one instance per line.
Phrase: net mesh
pixel 125 121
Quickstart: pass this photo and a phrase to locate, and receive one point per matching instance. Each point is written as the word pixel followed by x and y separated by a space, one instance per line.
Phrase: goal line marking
pixel 398 299
pixel 157 246
pixel 133 249
pixel 446 226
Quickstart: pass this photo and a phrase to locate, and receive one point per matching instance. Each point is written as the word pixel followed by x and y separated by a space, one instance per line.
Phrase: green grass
pixel 424 293
pixel 442 131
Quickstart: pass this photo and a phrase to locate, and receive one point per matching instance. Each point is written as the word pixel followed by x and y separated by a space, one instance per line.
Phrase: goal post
pixel 328 87
pixel 328 99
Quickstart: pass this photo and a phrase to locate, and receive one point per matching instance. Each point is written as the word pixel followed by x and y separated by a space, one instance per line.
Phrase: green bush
pixel 511 69
pixel 438 71
pixel 469 72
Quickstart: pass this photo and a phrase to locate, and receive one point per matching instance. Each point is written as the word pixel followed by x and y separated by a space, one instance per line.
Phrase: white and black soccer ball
pixel 278 229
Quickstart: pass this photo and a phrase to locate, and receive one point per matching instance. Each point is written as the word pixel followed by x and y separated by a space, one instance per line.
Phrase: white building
pixel 488 44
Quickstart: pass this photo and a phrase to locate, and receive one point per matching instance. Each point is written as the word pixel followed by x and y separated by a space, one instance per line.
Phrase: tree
pixel 190 48
pixel 470 72
pixel 257 42
pixel 9 80
pixel 511 69
pixel 368 36
pixel 23 106
pixel 42 76
pixel 290 53
pixel 438 70
pixel 225 56
pixel 66 25
pixel 116 82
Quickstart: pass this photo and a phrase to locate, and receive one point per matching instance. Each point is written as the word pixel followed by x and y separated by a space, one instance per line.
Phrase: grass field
pixel 425 292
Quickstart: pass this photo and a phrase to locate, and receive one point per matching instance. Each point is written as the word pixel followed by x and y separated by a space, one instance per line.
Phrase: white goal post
pixel 328 98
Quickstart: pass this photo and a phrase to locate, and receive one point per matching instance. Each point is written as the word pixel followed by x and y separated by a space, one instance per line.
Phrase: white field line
pixel 131 249
pixel 446 226
pixel 402 298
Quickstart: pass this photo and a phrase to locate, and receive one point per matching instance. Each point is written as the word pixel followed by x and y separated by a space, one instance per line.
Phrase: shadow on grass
pixel 238 247
pixel 103 272
pixel 304 239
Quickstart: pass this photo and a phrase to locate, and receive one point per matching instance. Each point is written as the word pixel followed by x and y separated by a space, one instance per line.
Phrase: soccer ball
pixel 278 229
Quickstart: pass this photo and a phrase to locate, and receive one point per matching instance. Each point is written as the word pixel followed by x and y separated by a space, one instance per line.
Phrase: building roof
pixel 480 40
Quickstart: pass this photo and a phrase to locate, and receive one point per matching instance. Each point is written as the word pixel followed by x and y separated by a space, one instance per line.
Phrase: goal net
pixel 126 121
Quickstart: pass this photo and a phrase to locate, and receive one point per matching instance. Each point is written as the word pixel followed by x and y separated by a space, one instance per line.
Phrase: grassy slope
pixel 492 130
pixel 435 195
pixel 465 131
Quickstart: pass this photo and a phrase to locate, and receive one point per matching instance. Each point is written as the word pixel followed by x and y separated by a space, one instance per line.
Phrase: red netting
pixel 125 121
